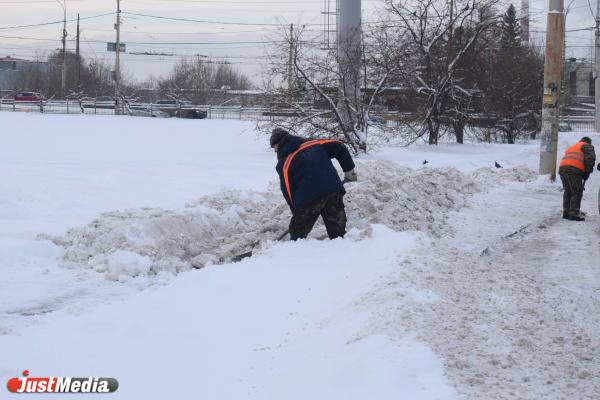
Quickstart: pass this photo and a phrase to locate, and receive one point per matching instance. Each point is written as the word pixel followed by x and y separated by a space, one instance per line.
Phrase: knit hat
pixel 586 139
pixel 277 136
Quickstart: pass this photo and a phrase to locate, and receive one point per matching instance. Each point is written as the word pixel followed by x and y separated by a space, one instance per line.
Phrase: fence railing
pixel 146 109
pixel 390 119
pixel 577 124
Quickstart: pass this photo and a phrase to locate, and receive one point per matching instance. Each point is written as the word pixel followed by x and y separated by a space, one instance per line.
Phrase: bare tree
pixel 320 103
pixel 197 79
pixel 428 26
pixel 458 111
pixel 96 78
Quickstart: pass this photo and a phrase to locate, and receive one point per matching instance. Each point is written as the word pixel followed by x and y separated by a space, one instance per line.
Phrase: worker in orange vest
pixel 575 168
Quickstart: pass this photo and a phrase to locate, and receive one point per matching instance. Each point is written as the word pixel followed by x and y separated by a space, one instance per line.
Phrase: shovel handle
pixel 283 235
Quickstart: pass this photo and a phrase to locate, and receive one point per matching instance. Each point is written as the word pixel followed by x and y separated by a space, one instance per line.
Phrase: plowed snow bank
pixel 217 227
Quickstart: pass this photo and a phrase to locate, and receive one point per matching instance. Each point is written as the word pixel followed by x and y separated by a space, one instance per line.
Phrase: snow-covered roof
pixel 9 58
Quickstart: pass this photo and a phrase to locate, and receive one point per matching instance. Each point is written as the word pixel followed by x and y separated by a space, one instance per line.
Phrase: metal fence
pixel 577 124
pixel 145 109
pixel 390 119
pixel 58 107
pixel 240 113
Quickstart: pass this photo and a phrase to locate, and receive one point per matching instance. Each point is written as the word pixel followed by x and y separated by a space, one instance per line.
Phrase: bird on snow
pixel 497 165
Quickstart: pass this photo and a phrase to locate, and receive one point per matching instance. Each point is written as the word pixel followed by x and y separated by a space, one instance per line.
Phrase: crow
pixel 497 165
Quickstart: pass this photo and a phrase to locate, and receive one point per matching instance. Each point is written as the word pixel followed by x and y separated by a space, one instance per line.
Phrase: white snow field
pixel 456 280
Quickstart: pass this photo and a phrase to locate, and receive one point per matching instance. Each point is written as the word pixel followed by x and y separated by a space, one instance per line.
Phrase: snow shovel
pixel 247 254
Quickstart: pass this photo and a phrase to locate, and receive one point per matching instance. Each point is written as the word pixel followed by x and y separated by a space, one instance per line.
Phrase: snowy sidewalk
pixel 519 298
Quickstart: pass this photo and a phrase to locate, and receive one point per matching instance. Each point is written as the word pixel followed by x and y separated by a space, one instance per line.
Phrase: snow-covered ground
pixel 457 280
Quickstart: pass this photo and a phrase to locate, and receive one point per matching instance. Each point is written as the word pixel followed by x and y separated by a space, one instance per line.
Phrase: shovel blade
pixel 240 257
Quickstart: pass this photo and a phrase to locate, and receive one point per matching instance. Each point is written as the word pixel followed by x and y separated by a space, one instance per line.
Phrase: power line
pixel 53 22
pixel 27 1
pixel 568 30
pixel 150 43
pixel 260 2
pixel 200 21
pixel 183 33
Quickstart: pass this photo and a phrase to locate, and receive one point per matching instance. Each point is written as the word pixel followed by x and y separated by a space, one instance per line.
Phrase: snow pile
pixel 128 263
pixel 210 230
pixel 406 199
pixel 147 241
pixel 490 176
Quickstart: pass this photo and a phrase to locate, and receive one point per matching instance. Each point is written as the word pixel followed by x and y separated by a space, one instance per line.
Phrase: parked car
pixel 376 120
pixel 174 102
pixel 193 113
pixel 25 96
pixel 564 127
pixel 107 102
pixel 182 110
pixel 147 112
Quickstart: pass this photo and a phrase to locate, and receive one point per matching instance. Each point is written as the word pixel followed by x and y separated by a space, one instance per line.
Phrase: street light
pixel 63 4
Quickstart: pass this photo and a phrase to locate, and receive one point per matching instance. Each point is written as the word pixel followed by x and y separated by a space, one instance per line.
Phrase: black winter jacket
pixel 311 174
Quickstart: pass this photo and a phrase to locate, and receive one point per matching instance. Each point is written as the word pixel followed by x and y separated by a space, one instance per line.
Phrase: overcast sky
pixel 250 25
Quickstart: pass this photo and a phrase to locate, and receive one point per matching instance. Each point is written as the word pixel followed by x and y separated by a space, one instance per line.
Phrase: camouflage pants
pixel 330 207
pixel 573 185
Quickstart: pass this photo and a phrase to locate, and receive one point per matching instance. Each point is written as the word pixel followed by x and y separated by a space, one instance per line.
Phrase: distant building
pixel 15 71
pixel 580 79
pixel 579 88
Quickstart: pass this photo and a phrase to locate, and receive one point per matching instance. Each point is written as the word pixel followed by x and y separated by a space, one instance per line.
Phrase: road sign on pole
pixel 112 46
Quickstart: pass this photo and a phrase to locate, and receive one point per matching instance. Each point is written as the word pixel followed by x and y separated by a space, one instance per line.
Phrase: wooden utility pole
pixel 555 33
pixel 117 76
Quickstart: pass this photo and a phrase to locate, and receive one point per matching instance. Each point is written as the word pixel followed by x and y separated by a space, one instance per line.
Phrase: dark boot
pixel 576 216
pixel 565 214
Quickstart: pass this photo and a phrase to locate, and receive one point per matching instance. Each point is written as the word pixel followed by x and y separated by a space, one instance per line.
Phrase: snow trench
pixel 147 241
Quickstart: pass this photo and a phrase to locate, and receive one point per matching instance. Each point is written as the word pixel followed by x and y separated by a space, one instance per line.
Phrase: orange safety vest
pixel 574 157
pixel 290 158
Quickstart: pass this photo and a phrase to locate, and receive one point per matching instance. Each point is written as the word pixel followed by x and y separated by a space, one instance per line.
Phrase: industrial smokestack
pixel 525 21
pixel 349 51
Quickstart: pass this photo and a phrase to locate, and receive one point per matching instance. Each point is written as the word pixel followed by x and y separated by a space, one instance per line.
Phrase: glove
pixel 350 176
pixel 586 176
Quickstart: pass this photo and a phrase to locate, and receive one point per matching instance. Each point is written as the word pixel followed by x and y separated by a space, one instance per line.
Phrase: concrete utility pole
pixel 451 33
pixel 77 54
pixel 349 54
pixel 291 64
pixel 118 61
pixel 597 74
pixel 63 82
pixel 555 34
